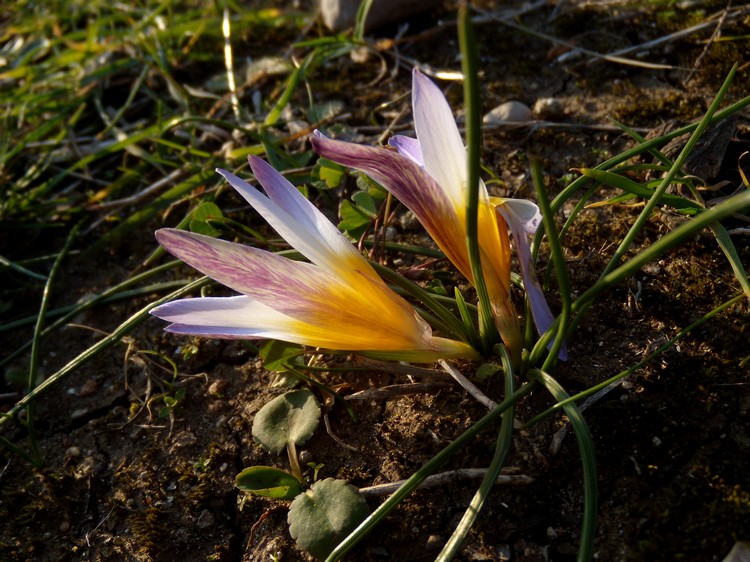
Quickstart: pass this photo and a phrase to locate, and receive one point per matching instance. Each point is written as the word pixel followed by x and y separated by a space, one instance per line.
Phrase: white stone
pixel 508 112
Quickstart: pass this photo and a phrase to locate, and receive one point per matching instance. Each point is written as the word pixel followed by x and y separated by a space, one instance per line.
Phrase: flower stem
pixel 469 65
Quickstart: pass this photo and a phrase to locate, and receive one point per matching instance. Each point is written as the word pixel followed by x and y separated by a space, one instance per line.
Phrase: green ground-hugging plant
pixel 320 515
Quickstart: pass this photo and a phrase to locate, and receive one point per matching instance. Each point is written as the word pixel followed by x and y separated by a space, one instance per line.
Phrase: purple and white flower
pixel 336 301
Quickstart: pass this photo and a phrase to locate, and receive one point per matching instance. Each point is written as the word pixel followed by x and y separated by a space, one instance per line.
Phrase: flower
pixel 337 301
pixel 429 175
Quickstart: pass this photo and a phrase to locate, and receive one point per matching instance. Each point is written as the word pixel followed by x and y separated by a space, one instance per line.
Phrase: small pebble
pixel 88 388
pixel 73 452
pixel 408 221
pixel 508 112
pixel 217 387
pixel 434 542
pixel 79 413
pixel 65 526
pixel 205 519
pixel 549 109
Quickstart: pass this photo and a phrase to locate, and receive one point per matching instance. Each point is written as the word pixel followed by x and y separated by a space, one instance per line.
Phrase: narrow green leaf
pixel 504 441
pixel 588 460
pixel 269 482
pixel 470 67
pixel 105 343
pixel 431 466
pixel 727 246
pixel 685 206
pixel 361 20
pixel 685 231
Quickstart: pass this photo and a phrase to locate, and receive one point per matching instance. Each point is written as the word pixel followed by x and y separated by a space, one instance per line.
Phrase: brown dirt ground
pixel 672 444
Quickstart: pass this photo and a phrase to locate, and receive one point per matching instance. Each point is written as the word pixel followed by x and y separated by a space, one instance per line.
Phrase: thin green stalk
pixel 409 249
pixel 5 262
pixel 577 184
pixel 647 210
pixel 106 296
pixel 128 102
pixel 431 466
pixel 685 231
pixel 291 87
pixel 720 233
pixel 12 447
pixel 35 342
pixel 361 20
pixel 73 310
pixel 730 251
pixel 588 460
pixel 642 363
pixel 504 441
pixel 561 272
pixel 606 277
pixel 473 109
pixel 456 327
pixel 105 343
pixel 466 316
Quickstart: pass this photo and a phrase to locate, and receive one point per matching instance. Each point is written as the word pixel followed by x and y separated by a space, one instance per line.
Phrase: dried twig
pixel 448 477
pixel 144 193
pixel 398 368
pixel 711 40
pixel 395 390
pixel 468 385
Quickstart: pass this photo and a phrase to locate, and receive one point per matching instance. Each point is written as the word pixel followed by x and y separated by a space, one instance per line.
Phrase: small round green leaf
pixel 290 418
pixel 324 515
pixel 269 482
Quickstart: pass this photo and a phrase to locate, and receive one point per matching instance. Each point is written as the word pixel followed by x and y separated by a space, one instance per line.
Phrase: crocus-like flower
pixel 429 175
pixel 337 302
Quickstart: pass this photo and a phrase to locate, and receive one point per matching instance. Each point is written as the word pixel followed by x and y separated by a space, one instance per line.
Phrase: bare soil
pixel 673 442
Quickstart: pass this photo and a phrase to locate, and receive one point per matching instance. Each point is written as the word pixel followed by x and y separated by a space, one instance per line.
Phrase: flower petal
pixel 443 150
pixel 408 147
pixel 526 212
pixel 281 283
pixel 518 226
pixel 359 313
pixel 411 185
pixel 298 221
pixel 245 318
pixel 225 317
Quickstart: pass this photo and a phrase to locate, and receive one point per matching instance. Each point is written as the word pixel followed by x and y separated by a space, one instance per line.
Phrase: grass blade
pixel 588 460
pixel 105 343
pixel 504 441
pixel 469 66
pixel 431 466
